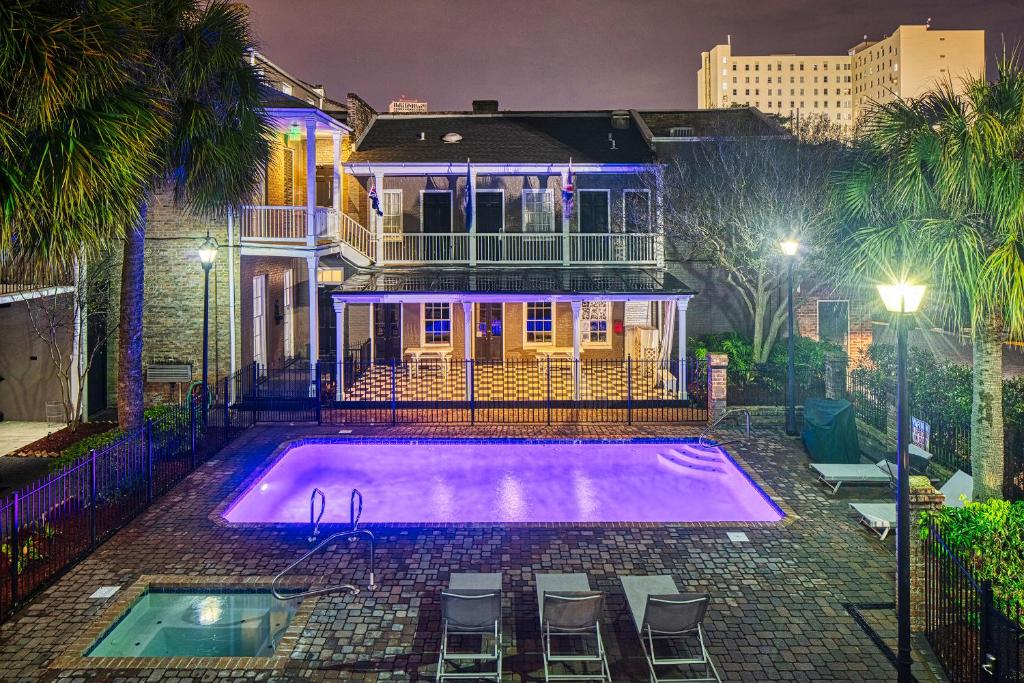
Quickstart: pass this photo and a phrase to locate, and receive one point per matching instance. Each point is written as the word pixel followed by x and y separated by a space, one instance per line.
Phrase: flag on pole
pixel 568 194
pixel 467 203
pixel 374 199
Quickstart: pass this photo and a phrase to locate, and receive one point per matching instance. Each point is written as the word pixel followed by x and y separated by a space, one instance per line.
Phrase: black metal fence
pixel 753 389
pixel 436 390
pixel 975 633
pixel 48 526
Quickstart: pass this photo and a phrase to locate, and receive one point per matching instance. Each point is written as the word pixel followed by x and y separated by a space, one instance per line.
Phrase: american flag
pixel 375 200
pixel 568 193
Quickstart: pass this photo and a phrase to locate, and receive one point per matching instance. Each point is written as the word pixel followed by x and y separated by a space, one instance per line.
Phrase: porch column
pixel 576 306
pixel 467 327
pixel 377 222
pixel 311 183
pixel 338 187
pixel 565 222
pixel 471 189
pixel 339 356
pixel 373 354
pixel 314 317
pixel 681 305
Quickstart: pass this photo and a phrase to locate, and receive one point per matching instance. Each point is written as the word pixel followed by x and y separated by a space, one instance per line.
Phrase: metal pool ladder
pixel 702 440
pixel 352 534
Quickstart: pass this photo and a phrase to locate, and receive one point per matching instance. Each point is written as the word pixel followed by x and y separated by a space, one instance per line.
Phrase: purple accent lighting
pixel 507 482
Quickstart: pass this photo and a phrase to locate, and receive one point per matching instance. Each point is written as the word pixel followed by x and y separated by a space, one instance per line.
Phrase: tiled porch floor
pixel 777 613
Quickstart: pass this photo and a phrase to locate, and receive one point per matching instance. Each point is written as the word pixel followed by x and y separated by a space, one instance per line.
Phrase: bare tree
pixel 733 200
pixel 62 319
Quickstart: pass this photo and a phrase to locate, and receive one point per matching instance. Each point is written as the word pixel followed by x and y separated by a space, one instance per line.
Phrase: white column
pixel 472 222
pixel 467 327
pixel 339 356
pixel 229 254
pixel 338 188
pixel 565 222
pixel 373 354
pixel 377 222
pixel 314 314
pixel 76 364
pixel 681 305
pixel 311 182
pixel 576 306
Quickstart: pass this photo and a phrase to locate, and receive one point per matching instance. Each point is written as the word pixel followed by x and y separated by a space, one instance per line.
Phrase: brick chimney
pixel 485 106
pixel 360 114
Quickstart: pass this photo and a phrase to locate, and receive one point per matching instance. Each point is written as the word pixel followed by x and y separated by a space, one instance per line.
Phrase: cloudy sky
pixel 548 54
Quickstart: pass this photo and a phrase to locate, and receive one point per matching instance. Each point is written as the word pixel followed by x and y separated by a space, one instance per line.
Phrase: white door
pixel 288 320
pixel 259 320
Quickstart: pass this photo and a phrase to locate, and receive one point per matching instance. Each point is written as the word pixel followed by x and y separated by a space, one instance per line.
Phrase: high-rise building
pixel 405 105
pixel 906 63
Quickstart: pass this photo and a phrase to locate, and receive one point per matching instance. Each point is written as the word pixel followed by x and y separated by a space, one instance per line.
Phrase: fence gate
pixel 975 634
pixel 288 392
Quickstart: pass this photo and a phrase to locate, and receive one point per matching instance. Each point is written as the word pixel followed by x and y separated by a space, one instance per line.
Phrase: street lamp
pixel 901 298
pixel 789 248
pixel 207 255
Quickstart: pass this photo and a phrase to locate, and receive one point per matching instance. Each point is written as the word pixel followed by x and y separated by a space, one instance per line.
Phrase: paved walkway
pixel 779 611
pixel 15 434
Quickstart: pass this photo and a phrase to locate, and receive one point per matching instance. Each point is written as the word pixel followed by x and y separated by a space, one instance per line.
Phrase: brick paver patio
pixel 779 609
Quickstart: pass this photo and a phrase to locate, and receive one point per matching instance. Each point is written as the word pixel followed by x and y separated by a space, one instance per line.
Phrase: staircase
pixel 694 460
pixel 358 245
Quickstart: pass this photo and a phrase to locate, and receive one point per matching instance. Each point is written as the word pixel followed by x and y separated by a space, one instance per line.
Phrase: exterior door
pixel 437 225
pixel 490 221
pixel 96 338
pixel 259 320
pixel 387 332
pixel 489 332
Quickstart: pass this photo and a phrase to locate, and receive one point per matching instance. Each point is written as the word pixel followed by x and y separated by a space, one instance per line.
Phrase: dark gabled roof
pixel 506 137
pixel 708 123
pixel 540 281
pixel 275 99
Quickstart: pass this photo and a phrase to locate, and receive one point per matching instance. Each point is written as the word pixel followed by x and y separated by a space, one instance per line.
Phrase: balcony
pixel 287 224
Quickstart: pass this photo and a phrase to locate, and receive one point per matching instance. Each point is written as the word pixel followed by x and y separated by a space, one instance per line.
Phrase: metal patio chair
pixel 571 613
pixel 672 620
pixel 471 609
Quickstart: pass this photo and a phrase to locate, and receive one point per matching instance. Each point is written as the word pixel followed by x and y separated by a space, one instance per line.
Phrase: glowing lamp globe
pixel 789 247
pixel 208 251
pixel 901 297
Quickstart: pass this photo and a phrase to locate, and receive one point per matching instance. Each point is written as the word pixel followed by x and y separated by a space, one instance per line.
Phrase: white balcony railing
pixel 286 223
pixel 614 248
pixel 426 248
pixel 519 248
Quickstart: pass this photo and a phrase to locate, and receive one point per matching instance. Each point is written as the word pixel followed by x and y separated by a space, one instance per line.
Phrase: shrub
pixel 989 538
pixel 80 449
pixel 809 359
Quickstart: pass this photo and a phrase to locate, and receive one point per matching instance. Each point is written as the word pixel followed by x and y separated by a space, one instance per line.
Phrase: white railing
pixel 614 248
pixel 286 223
pixel 357 236
pixel 426 248
pixel 519 248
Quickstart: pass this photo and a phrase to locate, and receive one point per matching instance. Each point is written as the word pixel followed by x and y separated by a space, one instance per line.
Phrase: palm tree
pixel 78 135
pixel 937 195
pixel 213 156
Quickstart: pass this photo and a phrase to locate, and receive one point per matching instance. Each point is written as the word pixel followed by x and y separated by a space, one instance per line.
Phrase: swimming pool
pixel 506 481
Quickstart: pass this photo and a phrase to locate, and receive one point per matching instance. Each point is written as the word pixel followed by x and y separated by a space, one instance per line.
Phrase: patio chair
pixel 471 610
pixel 881 517
pixel 570 624
pixel 834 475
pixel 671 622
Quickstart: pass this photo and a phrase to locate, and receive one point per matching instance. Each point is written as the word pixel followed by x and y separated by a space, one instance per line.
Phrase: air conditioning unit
pixel 180 373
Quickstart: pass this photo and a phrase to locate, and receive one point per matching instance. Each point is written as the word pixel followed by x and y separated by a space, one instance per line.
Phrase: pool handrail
pixel 702 440
pixel 330 540
pixel 315 524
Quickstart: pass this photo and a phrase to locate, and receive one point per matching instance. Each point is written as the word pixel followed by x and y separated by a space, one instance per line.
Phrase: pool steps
pixel 690 460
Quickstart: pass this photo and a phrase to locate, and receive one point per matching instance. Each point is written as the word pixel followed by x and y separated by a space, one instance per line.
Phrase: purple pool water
pixel 443 482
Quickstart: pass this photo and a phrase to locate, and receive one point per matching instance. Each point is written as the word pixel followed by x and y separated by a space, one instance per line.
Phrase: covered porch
pixel 505 335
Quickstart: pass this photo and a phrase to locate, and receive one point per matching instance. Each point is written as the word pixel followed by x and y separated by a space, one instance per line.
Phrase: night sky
pixel 575 54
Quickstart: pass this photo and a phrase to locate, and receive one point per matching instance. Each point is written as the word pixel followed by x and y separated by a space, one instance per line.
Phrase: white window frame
pixel 288 313
pixel 550 198
pixel 391 236
pixel 608 212
pixel 585 339
pixel 259 319
pixel 492 191
pixel 817 316
pixel 554 325
pixel 423 325
pixel 650 212
pixel 451 210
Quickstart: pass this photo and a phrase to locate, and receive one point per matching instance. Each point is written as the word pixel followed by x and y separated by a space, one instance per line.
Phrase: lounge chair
pixel 835 475
pixel 881 517
pixel 471 608
pixel 664 615
pixel 571 613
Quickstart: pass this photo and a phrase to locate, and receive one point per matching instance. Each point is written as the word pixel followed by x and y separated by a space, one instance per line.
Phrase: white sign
pixel 638 313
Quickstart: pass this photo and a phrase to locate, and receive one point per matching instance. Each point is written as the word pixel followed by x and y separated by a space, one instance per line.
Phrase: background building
pixel 904 64
pixel 405 105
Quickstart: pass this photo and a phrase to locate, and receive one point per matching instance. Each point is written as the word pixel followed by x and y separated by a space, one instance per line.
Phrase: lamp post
pixel 789 248
pixel 207 254
pixel 901 298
